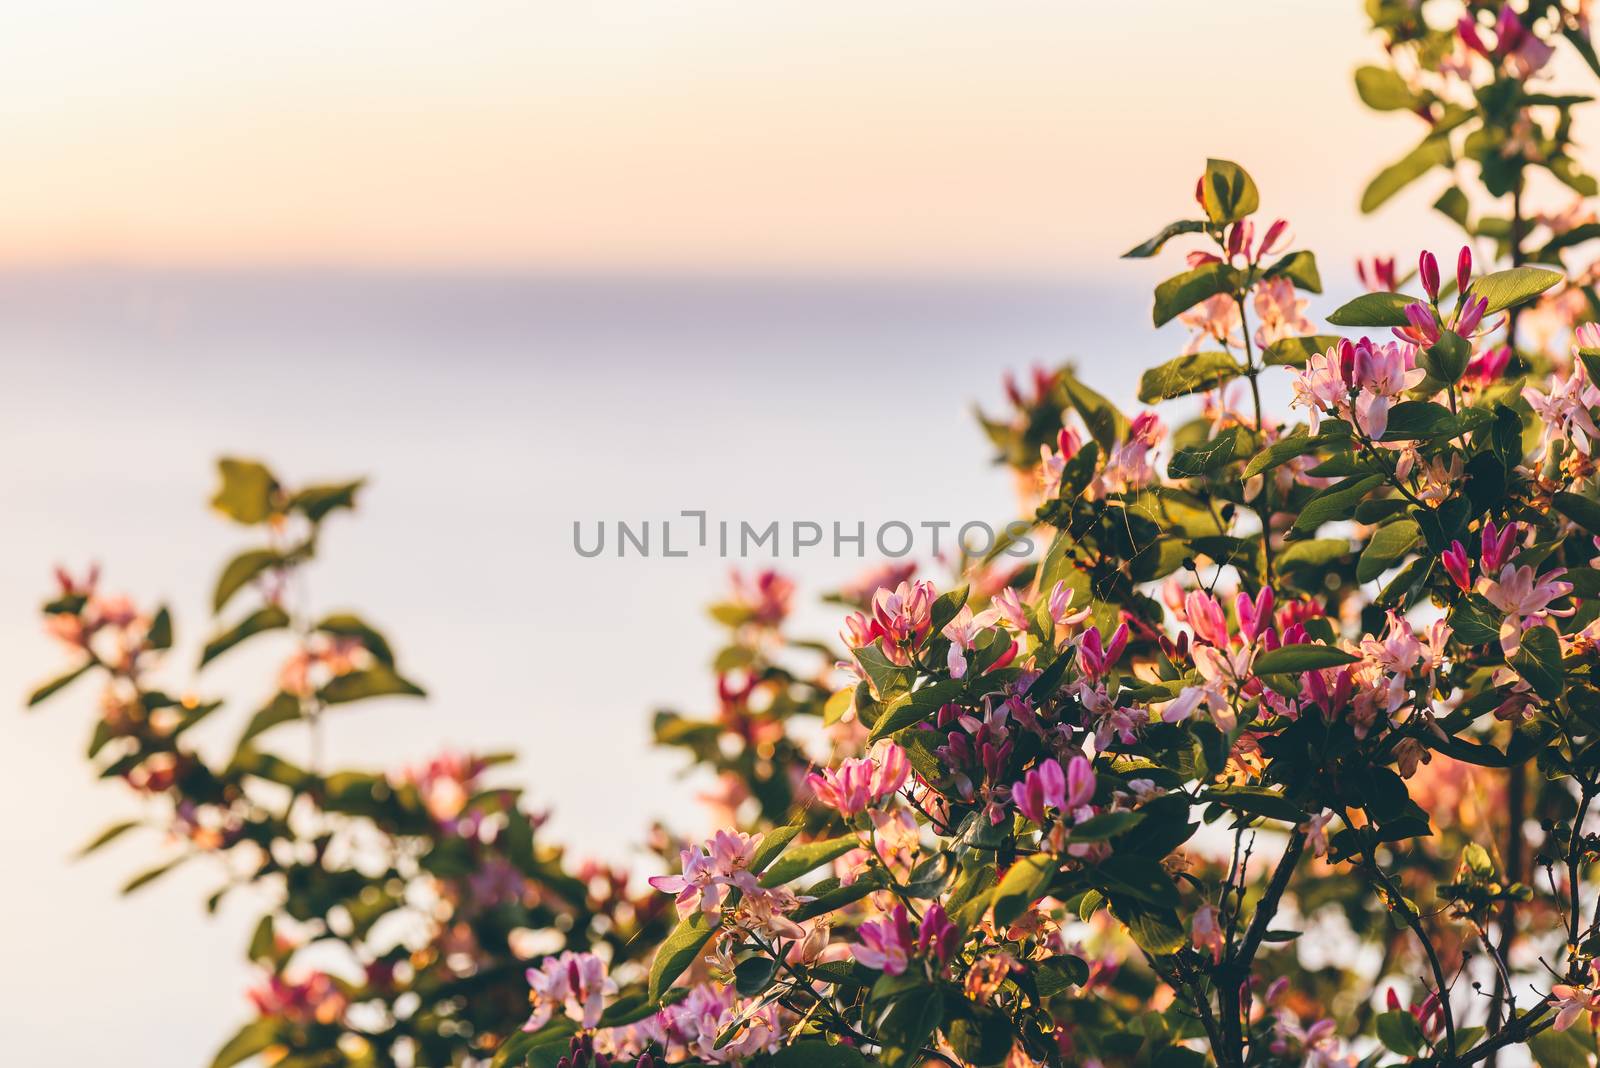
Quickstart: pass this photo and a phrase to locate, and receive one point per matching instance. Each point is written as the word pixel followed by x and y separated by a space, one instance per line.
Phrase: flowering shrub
pixel 1282 753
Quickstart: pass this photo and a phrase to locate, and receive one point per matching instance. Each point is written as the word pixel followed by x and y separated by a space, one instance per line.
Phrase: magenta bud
pixel 1428 268
pixel 1463 269
pixel 1421 319
pixel 1471 315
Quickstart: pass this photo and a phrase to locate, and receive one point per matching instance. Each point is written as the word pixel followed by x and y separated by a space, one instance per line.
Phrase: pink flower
pixel 1316 829
pixel 1281 310
pixel 1096 660
pixel 1206 933
pixel 1215 320
pixel 1565 409
pixel 1205 617
pixel 1571 1001
pixel 766 598
pixel 937 937
pixel 1499 545
pixel 1428 271
pixel 963 633
pixel 1321 387
pixel 860 782
pixel 904 614
pixel 1457 565
pixel 710 870
pixel 574 982
pixel 1255 617
pixel 1463 268
pixel 1060 601
pixel 1053 464
pixel 1377 275
pixel 1044 785
pixel 1525 600
pixel 886 943
pixel 1009 608
pixel 1382 372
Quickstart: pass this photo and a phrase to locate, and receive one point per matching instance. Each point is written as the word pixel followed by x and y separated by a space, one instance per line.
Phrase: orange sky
pixel 699 134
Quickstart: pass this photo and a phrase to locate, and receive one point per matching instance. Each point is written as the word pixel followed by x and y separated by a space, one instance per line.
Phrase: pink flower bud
pixel 1459 567
pixel 1428 268
pixel 1463 269
pixel 1471 315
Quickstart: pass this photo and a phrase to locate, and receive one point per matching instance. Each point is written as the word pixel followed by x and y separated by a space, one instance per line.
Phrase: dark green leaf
pixel 376 681
pixel 1538 660
pixel 1227 192
pixel 1299 268
pixel 795 862
pixel 1168 232
pixel 239 571
pixel 1187 374
pixel 1373 309
pixel 1183 291
pixel 1389 545
pixel 679 950
pixel 1433 152
pixel 1293 659
pixel 1297 351
pixel 56 685
pixel 271 617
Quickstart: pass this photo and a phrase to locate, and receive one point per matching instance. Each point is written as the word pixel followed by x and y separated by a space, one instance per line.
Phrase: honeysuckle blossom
pixel 1382 372
pixel 904 615
pixel 963 632
pixel 1316 829
pixel 690 1029
pixel 1222 672
pixel 1045 786
pixel 1131 464
pixel 1281 310
pixel 1571 1002
pixel 575 983
pixel 767 597
pixel 1205 618
pixel 1215 321
pixel 886 943
pixel 1321 387
pixel 1458 566
pixel 1565 410
pixel 1206 934
pixel 1525 599
pixel 710 871
pixel 1097 659
pixel 1053 462
pixel 1377 274
pixel 937 937
pixel 860 782
pixel 314 999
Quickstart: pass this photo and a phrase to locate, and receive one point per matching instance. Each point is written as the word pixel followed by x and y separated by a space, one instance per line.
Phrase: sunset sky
pixel 698 135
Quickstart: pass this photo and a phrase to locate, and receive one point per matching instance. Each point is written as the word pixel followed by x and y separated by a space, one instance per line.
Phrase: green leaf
pixel 1024 883
pixel 1538 660
pixel 249 1040
pixel 376 681
pixel 260 621
pixel 284 708
pixel 1508 288
pixel 1389 545
pixel 345 625
pixel 1337 502
pixel 1282 451
pixel 107 836
pixel 1299 268
pixel 1475 621
pixel 315 502
pixel 1558 1049
pixel 1195 461
pixel 1293 659
pixel 1168 232
pixel 247 491
pixel 1297 351
pixel 56 685
pixel 1411 420
pixel 914 707
pixel 1312 553
pixel 1381 89
pixel 1183 291
pixel 239 571
pixel 1106 424
pixel 1106 825
pixel 1453 204
pixel 795 862
pixel 1581 510
pixel 1056 974
pixel 159 635
pixel 1373 309
pixel 679 950
pixel 1433 152
pixel 772 844
pixel 909 1023
pixel 1227 192
pixel 1399 1031
pixel 1256 801
pixel 1142 877
pixel 1195 373
pixel 888 679
pixel 145 878
pixel 1157 932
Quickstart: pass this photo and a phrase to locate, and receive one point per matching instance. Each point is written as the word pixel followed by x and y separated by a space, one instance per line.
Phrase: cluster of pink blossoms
pixel 575 983
pixel 890 945
pixel 711 871
pixel 861 782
